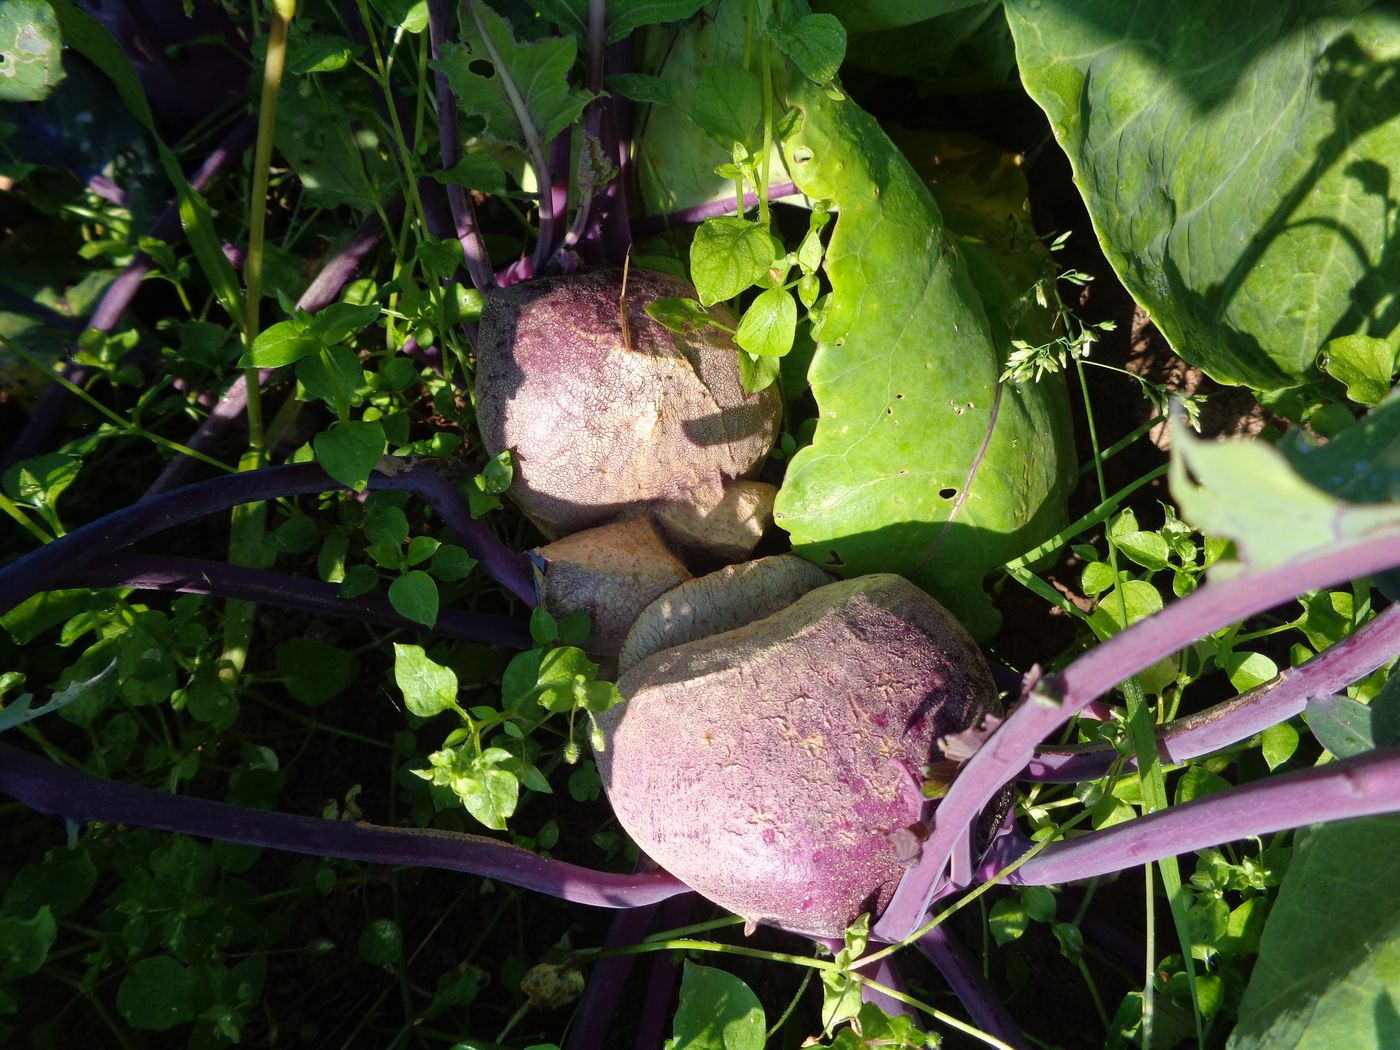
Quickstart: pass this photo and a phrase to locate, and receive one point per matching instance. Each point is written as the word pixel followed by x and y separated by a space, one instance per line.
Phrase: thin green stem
pixel 273 67
pixel 699 927
pixel 934 1012
pixel 311 723
pixel 248 521
pixel 765 161
pixel 791 1006
pixel 1123 442
pixel 1097 516
pixel 9 507
pixel 124 425
pixel 380 74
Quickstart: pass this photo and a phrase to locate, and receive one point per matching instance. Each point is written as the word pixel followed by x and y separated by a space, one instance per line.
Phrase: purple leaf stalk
pixel 544 244
pixel 47 787
pixel 1349 660
pixel 47 417
pixel 478 261
pixel 965 978
pixel 1050 701
pixel 159 572
pixel 653 225
pixel 83 547
pixel 1362 786
pixel 324 289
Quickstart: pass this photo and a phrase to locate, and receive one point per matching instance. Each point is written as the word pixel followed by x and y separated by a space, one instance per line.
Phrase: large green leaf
pixel 1329 961
pixel 717 1011
pixel 30 48
pixel 958 47
pixel 922 464
pixel 868 16
pixel 624 17
pixel 520 90
pixel 1255 494
pixel 675 158
pixel 1237 160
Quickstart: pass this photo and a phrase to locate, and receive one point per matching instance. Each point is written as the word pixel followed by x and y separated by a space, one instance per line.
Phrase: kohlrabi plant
pixel 504 491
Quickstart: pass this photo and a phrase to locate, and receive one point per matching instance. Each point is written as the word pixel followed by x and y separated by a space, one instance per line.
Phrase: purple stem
pixel 565 256
pixel 1051 701
pixel 887 973
pixel 108 190
pixel 437 213
pixel 655 224
pixel 659 999
pixel 1349 660
pixel 324 289
pixel 965 979
pixel 85 546
pixel 47 787
pixel 530 133
pixel 1362 786
pixel 48 415
pixel 161 572
pixel 609 236
pixel 477 259
pixel 560 152
pixel 608 978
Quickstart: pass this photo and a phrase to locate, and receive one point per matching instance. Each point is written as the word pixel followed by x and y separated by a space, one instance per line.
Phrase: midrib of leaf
pixel 967 485
pixel 528 131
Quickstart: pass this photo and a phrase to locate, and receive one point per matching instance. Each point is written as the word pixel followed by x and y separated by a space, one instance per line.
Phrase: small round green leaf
pixel 717 1011
pixel 428 688
pixel 30 47
pixel 349 451
pixel 280 344
pixel 381 942
pixel 769 324
pixel 414 596
pixel 156 994
pixel 727 103
pixel 314 671
pixel 727 256
pixel 25 943
pixel 451 563
pixel 815 43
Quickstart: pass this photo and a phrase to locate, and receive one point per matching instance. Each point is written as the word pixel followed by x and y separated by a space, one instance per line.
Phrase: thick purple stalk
pixel 607 979
pixel 478 261
pixel 534 146
pixel 85 546
pixel 659 999
pixel 324 289
pixel 656 224
pixel 608 236
pixel 46 419
pixel 50 788
pixel 1336 667
pixel 108 190
pixel 162 572
pixel 1363 786
pixel 885 972
pixel 566 257
pixel 964 977
pixel 560 151
pixel 1051 701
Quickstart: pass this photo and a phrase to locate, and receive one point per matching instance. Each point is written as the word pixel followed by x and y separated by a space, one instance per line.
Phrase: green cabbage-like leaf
pixel 1238 162
pixel 1329 959
pixel 922 464
pixel 30 51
